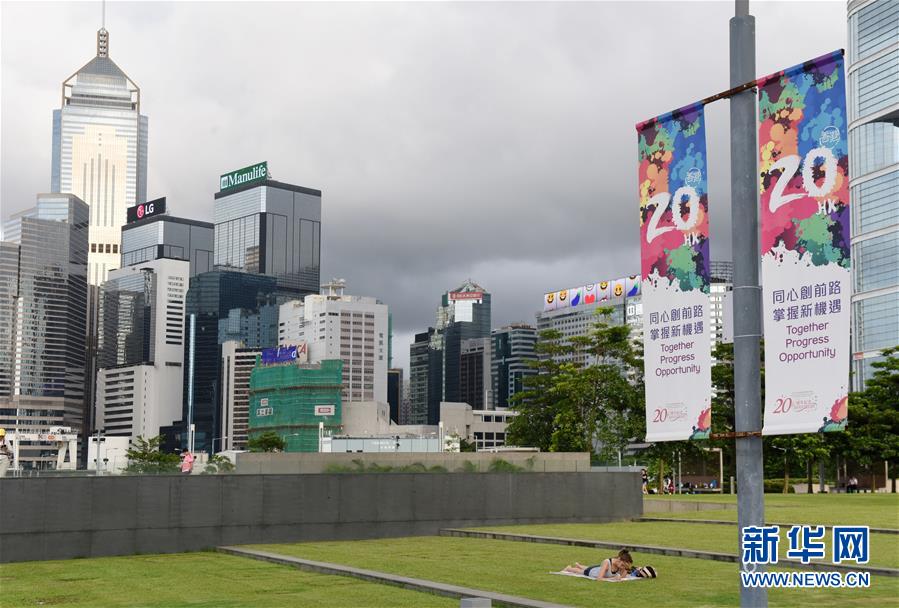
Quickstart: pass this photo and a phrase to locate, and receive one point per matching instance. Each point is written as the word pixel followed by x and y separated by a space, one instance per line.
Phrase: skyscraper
pixel 335 325
pixel 395 393
pixel 463 314
pixel 237 365
pixel 513 349
pixel 419 377
pixel 165 236
pixel 141 348
pixel 100 151
pixel 873 70
pixel 43 293
pixel 271 228
pixel 212 297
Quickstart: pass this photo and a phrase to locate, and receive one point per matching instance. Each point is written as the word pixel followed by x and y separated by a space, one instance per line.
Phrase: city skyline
pixel 514 147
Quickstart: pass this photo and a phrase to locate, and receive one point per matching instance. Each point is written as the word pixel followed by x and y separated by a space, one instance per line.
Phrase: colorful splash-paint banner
pixel 674 246
pixel 804 186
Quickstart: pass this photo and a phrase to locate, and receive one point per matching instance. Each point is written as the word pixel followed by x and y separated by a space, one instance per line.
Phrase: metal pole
pixel 721 470
pixel 747 300
pixel 190 384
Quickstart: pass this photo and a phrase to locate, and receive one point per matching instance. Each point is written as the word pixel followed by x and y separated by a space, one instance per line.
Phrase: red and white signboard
pixel 325 410
pixel 466 295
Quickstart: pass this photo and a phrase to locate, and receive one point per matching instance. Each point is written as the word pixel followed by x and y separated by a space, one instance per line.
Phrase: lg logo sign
pixel 148 209
pixel 145 209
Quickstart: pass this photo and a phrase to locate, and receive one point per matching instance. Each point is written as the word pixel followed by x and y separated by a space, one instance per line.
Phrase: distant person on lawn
pixel 618 567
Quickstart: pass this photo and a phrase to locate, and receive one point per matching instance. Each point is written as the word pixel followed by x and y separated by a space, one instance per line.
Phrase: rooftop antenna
pixel 102 34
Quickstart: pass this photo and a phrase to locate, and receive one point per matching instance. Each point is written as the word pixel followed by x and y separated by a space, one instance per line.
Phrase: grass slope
pixel 702 537
pixel 198 580
pixel 522 569
pixel 876 510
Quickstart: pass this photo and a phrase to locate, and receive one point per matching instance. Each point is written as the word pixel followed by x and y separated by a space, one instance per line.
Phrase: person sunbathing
pixel 618 567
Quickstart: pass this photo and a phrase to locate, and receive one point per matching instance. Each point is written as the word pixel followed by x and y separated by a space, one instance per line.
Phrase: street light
pixel 222 438
pixel 98 437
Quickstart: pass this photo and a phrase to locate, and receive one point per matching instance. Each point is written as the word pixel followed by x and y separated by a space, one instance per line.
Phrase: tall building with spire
pixel 100 155
pixel 100 152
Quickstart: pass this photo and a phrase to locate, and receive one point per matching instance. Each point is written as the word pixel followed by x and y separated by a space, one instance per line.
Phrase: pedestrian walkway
pixel 733 523
pixel 656 550
pixel 415 584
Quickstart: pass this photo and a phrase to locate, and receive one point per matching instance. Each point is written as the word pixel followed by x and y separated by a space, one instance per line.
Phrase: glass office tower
pixel 271 228
pixel 100 152
pixel 43 302
pixel 873 68
pixel 212 297
pixel 174 238
pixel 513 351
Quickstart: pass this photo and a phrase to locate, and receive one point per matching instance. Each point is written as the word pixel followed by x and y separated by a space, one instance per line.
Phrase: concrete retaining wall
pixel 317 462
pixel 651 505
pixel 59 518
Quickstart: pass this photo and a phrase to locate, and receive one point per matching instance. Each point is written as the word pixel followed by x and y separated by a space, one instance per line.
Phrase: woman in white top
pixel 617 567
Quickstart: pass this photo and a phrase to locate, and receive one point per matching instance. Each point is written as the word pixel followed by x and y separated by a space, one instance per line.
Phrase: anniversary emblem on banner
pixel 674 247
pixel 804 166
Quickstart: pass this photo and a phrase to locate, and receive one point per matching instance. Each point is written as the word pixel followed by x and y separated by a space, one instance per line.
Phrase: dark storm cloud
pixel 491 141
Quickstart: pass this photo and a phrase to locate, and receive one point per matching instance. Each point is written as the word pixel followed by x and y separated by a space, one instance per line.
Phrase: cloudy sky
pixel 450 140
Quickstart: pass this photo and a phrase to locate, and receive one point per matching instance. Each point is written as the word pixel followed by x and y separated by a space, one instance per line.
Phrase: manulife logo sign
pixel 253 173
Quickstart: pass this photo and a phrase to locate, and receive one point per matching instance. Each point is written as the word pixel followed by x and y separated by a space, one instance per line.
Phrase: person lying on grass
pixel 613 567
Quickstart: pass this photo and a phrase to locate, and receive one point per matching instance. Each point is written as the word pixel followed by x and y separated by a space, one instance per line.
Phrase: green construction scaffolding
pixel 283 400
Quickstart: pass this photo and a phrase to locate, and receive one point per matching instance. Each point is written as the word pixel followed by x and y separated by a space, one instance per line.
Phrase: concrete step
pixel 655 550
pixel 416 584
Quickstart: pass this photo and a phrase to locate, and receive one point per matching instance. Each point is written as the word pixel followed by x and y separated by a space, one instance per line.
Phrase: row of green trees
pixel 146 457
pixel 591 387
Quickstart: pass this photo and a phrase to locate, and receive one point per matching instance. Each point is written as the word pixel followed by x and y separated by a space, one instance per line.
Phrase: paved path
pixel 415 584
pixel 652 549
pixel 733 523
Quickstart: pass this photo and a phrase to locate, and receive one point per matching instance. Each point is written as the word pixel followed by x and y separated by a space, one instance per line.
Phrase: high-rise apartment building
pixel 267 227
pixel 100 152
pixel 174 238
pixel 43 301
pixel 141 348
pixel 353 329
pixel 873 92
pixel 512 353
pixel 237 365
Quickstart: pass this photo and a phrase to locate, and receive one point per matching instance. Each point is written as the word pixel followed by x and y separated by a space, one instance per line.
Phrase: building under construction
pixel 293 399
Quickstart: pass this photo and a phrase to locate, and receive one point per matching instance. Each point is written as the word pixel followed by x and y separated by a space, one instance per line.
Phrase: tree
pixel 595 395
pixel 267 442
pixel 218 464
pixel 872 433
pixel 536 404
pixel 145 457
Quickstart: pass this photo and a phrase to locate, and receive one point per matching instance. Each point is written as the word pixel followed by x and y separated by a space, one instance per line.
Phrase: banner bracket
pixel 735 435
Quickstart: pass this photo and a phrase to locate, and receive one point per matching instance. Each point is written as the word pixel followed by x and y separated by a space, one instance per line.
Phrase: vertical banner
pixel 674 246
pixel 804 170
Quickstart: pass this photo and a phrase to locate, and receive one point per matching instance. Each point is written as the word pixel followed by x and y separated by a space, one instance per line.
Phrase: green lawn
pixel 876 510
pixel 191 579
pixel 522 569
pixel 703 537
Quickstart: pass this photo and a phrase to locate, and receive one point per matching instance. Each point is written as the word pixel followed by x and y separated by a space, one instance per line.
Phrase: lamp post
pixel 98 438
pixel 222 439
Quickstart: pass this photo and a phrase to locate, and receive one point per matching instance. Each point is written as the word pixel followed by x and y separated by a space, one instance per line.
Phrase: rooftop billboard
pixel 592 293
